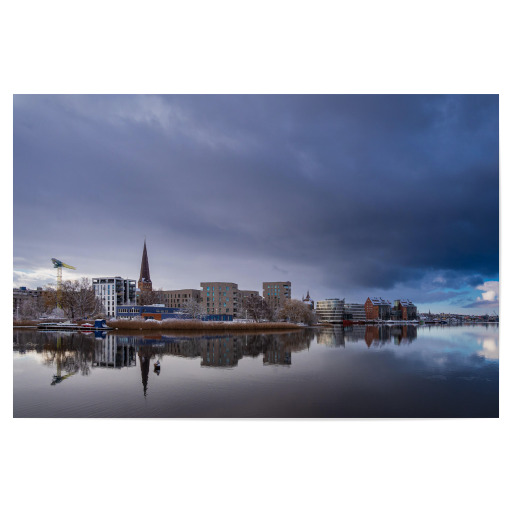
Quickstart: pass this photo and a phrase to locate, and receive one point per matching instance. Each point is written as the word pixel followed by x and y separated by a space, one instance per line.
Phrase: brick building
pixel 405 310
pixel 377 308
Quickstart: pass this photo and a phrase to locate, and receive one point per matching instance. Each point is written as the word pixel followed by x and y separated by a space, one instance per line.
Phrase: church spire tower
pixel 144 283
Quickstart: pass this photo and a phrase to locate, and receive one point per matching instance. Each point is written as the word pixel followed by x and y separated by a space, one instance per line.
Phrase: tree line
pixel 78 301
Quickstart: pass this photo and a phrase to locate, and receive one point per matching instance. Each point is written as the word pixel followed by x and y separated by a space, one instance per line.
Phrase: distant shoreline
pixel 184 325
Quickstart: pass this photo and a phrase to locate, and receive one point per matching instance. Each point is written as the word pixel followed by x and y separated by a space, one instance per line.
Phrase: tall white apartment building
pixel 113 292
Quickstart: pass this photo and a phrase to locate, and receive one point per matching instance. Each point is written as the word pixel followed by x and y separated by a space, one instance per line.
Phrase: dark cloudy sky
pixel 347 196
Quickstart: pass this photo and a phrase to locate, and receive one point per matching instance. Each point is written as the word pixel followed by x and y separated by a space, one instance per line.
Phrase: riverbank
pixel 198 325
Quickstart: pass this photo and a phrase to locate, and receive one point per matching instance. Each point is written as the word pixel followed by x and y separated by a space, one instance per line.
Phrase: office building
pixel 355 312
pixel 161 312
pixel 330 311
pixel 114 292
pixel 179 298
pixel 220 298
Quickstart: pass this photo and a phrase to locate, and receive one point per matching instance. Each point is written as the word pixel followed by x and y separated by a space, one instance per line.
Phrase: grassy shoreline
pixel 184 325
pixel 198 325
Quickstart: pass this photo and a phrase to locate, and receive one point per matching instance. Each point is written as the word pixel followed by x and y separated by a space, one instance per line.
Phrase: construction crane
pixel 58 265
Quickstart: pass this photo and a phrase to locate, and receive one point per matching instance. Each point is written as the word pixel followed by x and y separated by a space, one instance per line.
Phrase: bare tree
pixel 32 308
pixel 257 308
pixel 78 300
pixel 297 311
pixel 194 308
pixel 147 297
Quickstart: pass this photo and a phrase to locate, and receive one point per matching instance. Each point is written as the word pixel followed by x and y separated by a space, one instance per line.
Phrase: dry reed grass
pixel 197 325
pixel 25 323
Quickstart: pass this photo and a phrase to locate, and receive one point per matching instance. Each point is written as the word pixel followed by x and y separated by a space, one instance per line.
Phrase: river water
pixel 357 372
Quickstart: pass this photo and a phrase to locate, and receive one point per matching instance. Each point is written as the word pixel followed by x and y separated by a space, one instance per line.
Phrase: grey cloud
pixel 363 192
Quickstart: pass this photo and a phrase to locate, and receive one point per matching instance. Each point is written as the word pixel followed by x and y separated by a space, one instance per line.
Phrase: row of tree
pixel 78 301
pixel 258 309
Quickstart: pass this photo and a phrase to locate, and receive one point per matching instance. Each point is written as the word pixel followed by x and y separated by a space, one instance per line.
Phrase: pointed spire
pixel 144 279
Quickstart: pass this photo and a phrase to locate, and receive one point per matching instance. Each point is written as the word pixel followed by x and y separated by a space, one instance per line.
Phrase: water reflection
pixel 72 352
pixel 360 371
pixel 373 335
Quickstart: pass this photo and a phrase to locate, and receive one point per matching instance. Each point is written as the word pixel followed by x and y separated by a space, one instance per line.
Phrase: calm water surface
pixel 399 371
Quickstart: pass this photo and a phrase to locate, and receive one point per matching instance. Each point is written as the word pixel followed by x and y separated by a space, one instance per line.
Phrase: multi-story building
pixel 178 298
pixel 330 311
pixel 355 312
pixel 244 294
pixel 276 292
pixel 113 292
pixel 161 312
pixel 248 293
pixel 377 308
pixel 407 309
pixel 220 298
pixel 21 294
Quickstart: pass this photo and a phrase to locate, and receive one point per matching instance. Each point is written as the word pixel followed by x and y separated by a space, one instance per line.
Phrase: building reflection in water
pixel 221 352
pixel 331 336
pixel 145 354
pixel 71 352
pixel 277 353
pixel 114 352
pixel 372 335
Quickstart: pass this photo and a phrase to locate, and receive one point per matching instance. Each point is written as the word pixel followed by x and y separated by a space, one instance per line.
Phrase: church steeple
pixel 144 279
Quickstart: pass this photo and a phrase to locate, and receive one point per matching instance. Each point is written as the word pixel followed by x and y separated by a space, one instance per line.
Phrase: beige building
pixel 178 298
pixel 248 293
pixel 277 292
pixel 220 298
pixel 243 294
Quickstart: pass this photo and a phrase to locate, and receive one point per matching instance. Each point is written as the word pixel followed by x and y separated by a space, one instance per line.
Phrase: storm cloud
pixel 345 195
